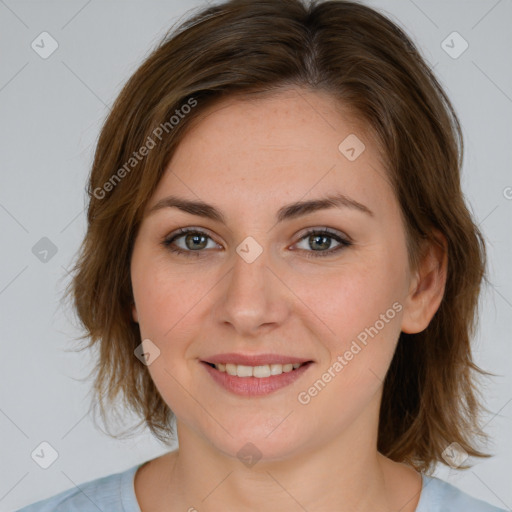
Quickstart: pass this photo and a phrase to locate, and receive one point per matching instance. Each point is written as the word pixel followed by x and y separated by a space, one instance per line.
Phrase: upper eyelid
pixel 185 231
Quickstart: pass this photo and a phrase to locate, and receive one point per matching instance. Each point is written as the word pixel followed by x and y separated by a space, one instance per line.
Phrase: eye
pixel 321 239
pixel 194 240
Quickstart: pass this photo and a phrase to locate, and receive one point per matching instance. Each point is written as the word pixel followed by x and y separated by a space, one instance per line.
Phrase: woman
pixel 280 259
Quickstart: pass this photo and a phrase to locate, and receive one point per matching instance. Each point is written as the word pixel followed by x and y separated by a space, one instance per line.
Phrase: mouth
pixel 266 374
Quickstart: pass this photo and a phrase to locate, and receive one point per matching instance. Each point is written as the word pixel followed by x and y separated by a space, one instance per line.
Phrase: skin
pixel 249 158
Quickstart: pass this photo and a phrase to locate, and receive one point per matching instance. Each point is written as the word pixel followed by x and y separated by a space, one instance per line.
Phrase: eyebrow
pixel 287 212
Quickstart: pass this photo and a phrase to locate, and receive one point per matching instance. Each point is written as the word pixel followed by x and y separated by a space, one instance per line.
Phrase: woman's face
pixel 260 288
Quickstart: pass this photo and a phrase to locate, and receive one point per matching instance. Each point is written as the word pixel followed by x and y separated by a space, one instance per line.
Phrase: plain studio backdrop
pixel 54 97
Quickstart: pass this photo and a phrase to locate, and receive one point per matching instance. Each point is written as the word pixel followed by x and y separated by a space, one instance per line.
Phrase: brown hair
pixel 367 63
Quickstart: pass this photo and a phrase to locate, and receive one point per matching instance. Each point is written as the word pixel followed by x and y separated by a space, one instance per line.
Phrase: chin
pixel 257 441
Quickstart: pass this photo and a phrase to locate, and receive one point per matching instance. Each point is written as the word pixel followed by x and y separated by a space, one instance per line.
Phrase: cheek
pixel 165 302
pixel 366 330
pixel 360 308
pixel 354 297
pixel 165 297
pixel 171 307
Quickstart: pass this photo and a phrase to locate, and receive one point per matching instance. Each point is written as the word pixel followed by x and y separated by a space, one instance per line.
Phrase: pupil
pixel 195 238
pixel 322 237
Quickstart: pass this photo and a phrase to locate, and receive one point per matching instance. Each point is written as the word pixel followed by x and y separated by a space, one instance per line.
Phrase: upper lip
pixel 254 360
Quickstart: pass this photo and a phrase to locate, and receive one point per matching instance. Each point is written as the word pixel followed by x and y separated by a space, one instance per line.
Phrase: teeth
pixel 260 372
pixel 230 368
pixel 243 371
pixel 276 369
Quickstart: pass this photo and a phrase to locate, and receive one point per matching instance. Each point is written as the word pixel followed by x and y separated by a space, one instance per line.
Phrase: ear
pixel 135 316
pixel 427 287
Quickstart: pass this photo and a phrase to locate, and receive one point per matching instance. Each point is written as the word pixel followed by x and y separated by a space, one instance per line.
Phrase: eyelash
pixel 168 241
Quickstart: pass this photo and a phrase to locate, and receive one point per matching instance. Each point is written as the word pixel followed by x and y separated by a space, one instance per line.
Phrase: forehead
pixel 273 149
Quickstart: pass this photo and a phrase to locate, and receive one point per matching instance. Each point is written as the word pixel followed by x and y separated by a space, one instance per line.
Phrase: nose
pixel 253 298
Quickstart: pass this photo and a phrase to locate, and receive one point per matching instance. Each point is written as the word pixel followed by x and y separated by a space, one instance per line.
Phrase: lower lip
pixel 253 386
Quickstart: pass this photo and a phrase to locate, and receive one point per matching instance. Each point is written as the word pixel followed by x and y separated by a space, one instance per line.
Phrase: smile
pixel 257 380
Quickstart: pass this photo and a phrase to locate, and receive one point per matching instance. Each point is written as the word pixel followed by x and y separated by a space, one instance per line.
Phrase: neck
pixel 311 482
pixel 346 473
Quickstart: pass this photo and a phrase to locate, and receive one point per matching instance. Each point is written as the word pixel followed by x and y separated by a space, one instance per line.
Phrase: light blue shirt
pixel 116 493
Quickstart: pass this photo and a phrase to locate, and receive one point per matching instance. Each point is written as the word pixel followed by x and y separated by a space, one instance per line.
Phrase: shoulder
pixel 440 496
pixel 111 492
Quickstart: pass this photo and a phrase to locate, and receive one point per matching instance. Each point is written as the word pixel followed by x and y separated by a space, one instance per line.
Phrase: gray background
pixel 51 111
